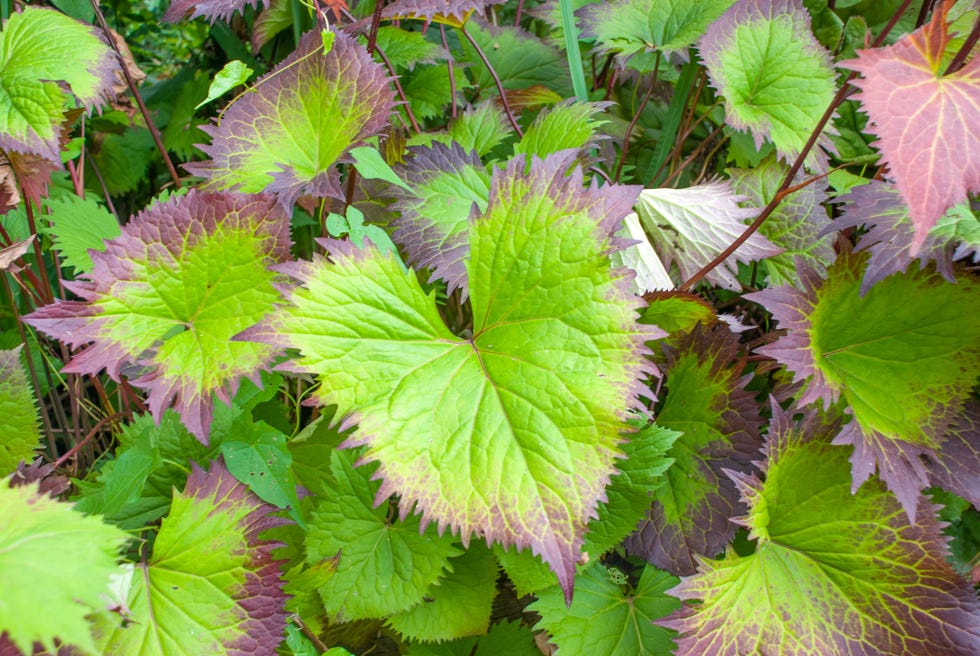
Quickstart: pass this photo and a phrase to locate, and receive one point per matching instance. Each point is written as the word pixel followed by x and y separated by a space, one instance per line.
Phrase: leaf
pixel 276 17
pixel 928 124
pixel 352 226
pixel 121 159
pixel 678 312
pixel 183 130
pixel 207 557
pixel 40 48
pixel 641 258
pixel 287 133
pixel 480 433
pixel 903 357
pixel 76 225
pixel 405 50
pixel 19 427
pixel 520 60
pixel 234 73
pixel 691 226
pixel 507 637
pixel 457 606
pixel 450 12
pixel 797 225
pixel 166 296
pixel 568 125
pixel 833 573
pixel 607 619
pixel 630 27
pixel 430 90
pixel 707 401
pixel 121 481
pixel 55 565
pixel 211 9
pixel 448 187
pixel 481 128
pixel 383 567
pixel 776 79
pixel 371 165
pixel 256 455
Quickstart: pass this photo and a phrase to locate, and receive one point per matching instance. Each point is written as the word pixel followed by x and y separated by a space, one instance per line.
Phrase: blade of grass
pixel 572 52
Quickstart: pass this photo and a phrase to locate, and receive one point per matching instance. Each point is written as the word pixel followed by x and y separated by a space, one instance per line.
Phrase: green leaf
pixel 609 618
pixel 20 432
pixel 520 60
pixel 210 577
pixel 508 637
pixel 678 312
pixel 183 131
pixel 353 227
pixel 121 481
pixel 405 49
pixel 429 90
pixel 121 159
pixel 234 73
pixel 481 128
pixel 55 565
pixel 78 224
pixel 256 454
pixel 568 125
pixel 833 572
pixel 776 79
pixel 40 48
pixel 383 567
pixel 371 165
pixel 511 434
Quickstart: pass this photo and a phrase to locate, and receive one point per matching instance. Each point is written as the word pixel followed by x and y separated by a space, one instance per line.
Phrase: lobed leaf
pixel 19 427
pixel 77 225
pixel 569 125
pixel 211 9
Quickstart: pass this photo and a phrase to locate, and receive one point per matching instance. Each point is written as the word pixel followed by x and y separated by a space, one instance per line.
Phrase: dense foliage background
pixel 441 327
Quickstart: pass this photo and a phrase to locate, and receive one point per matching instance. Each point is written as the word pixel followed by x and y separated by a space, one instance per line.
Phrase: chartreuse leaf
pixel 78 224
pixel 39 49
pixel 609 618
pixel 833 572
pixel 774 76
pixel 458 605
pixel 706 400
pixel 904 358
pixel 678 312
pixel 568 125
pixel 210 577
pixel 168 294
pixel 287 132
pixel 512 433
pixel 928 123
pixel 382 566
pixel 480 128
pixel 20 432
pixel 234 73
pixel 55 565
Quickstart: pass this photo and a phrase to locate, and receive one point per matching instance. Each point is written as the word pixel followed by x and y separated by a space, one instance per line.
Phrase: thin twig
pixel 88 436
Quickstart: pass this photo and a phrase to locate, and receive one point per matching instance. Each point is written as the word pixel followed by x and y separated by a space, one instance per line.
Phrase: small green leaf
pixel 78 224
pixel 234 73
pixel 20 432
pixel 256 455
pixel 121 481
pixel 567 125
pixel 371 165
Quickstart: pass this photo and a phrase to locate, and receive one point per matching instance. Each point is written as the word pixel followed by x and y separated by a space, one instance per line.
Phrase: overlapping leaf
pixel 928 123
pixel 208 557
pixel 40 49
pixel 211 9
pixel 520 60
pixel 451 12
pixel 55 565
pixel 706 400
pixel 287 133
pixel 690 227
pixel 511 434
pixel 76 225
pixel 776 79
pixel 163 300
pixel 904 357
pixel 568 125
pixel 19 430
pixel 833 573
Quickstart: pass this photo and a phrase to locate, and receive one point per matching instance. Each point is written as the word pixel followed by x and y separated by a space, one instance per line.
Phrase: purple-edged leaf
pixel 511 434
pixel 449 188
pixel 163 300
pixel 450 12
pixel 833 573
pixel 20 432
pixel 928 123
pixel 706 399
pixel 211 9
pixel 878 206
pixel 691 226
pixel 287 133
pixel 903 357
pixel 795 225
pixel 958 470
pixel 43 51
pixel 211 585
pixel 775 77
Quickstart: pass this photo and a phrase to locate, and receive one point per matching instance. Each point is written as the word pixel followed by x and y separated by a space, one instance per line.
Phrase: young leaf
pixel 55 565
pixel 706 400
pixel 166 296
pixel 482 433
pixel 691 226
pixel 928 123
pixel 607 619
pixel 39 49
pixel 288 131
pixel 776 79
pixel 235 73
pixel 121 481
pixel 207 557
pixel 78 224
pixel 371 165
pixel 568 125
pixel 480 128
pixel 20 432
pixel 833 572
pixel 904 357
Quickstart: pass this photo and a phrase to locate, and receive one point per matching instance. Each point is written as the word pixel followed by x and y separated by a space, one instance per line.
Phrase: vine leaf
pixel 903 357
pixel 719 419
pixel 55 564
pixel 207 556
pixel 211 9
pixel 894 594
pixel 163 300
pixel 928 124
pixel 286 134
pixel 18 413
pixel 691 226
pixel 481 433
pixel 775 77
pixel 606 619
pixel 39 50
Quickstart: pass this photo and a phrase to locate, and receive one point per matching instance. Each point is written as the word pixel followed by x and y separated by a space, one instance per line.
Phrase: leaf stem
pixel 496 80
